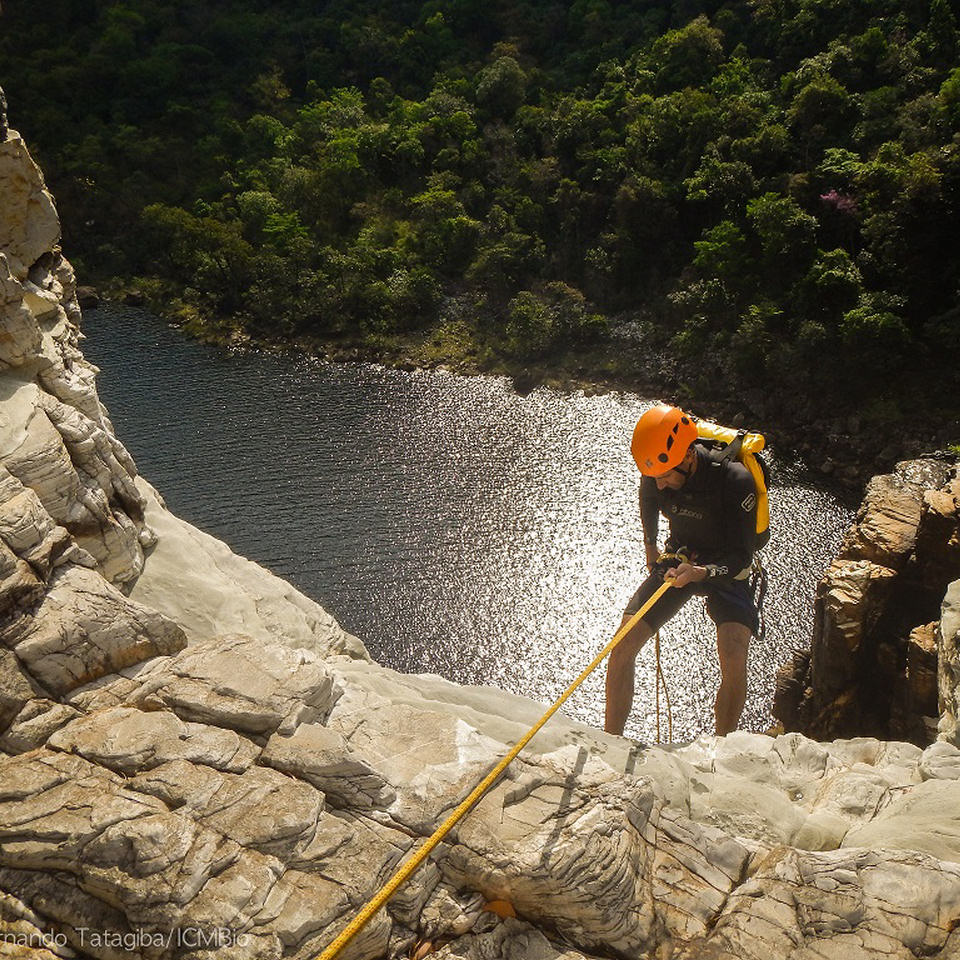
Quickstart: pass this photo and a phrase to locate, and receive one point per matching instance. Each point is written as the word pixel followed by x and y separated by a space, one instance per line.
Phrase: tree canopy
pixel 773 184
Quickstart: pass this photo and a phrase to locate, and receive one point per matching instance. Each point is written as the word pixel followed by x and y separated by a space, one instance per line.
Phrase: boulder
pixel 83 629
pixel 88 297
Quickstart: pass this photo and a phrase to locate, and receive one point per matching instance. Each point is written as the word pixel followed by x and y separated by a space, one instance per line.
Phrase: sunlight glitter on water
pixel 455 526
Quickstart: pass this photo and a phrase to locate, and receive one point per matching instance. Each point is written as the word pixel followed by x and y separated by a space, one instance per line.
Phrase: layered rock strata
pixel 874 661
pixel 260 794
pixel 197 762
pixel 69 492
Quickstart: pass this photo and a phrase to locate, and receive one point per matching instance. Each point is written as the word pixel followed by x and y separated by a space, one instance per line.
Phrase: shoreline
pixel 846 455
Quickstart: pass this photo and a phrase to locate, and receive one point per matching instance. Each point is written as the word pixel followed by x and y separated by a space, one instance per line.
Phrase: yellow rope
pixel 681 556
pixel 656 681
pixel 661 679
pixel 406 869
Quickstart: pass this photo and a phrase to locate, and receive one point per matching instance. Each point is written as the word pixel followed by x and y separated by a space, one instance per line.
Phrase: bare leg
pixel 620 676
pixel 733 642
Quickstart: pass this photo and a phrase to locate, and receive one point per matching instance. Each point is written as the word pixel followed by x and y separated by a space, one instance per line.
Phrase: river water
pixel 456 527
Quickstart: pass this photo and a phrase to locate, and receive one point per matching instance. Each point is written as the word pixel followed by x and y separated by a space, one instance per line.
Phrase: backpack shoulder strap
pixel 732 450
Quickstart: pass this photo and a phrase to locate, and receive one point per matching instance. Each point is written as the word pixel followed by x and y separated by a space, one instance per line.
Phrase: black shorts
pixel 727 602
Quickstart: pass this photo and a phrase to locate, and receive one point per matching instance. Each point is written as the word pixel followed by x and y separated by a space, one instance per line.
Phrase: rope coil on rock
pixel 417 858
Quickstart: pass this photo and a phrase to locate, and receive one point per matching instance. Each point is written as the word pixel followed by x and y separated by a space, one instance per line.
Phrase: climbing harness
pixel 680 555
pixel 415 859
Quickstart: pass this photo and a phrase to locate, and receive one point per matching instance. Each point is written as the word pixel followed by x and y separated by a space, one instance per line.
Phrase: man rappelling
pixel 710 500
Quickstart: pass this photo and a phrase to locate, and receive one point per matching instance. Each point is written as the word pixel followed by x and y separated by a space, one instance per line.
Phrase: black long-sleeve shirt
pixel 714 514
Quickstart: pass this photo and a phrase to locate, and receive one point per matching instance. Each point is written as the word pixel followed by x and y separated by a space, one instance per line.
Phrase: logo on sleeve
pixel 748 502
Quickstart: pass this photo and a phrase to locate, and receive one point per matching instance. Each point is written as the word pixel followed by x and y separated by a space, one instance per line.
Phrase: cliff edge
pixel 197 762
pixel 883 657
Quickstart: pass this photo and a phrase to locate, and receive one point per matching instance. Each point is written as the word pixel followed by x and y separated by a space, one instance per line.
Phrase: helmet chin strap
pixel 679 468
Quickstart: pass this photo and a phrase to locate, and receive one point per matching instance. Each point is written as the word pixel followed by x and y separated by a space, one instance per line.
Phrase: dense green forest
pixel 766 190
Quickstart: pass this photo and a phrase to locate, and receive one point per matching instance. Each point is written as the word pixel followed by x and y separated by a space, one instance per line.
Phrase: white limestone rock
pixel 510 940
pixel 924 818
pixel 128 740
pixel 940 761
pixel 200 583
pixel 34 724
pixel 80 474
pixel 31 533
pixel 595 858
pixel 425 756
pixel 259 808
pixel 948 665
pixel 323 758
pixel 446 914
pixel 19 585
pixel 236 683
pixel 83 629
pixel 29 226
pixel 20 338
pixel 25 936
pixel 17 688
pixel 844 904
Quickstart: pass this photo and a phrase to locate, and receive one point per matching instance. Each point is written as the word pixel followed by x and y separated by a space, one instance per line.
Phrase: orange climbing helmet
pixel 661 439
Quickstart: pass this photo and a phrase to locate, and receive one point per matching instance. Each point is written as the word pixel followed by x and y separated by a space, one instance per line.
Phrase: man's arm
pixel 650 518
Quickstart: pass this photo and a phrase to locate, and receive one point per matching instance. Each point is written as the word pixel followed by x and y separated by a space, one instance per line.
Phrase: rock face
pixel 69 491
pixel 948 665
pixel 873 663
pixel 265 792
pixel 195 761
